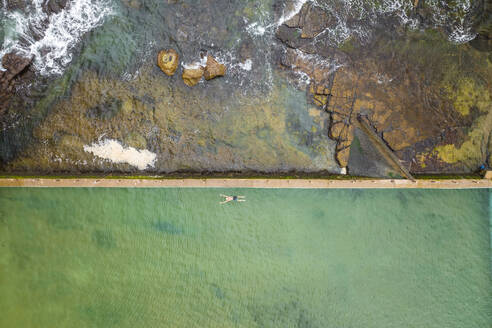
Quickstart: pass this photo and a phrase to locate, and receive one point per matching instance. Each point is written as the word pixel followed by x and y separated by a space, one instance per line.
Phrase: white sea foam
pixel 352 18
pixel 258 29
pixel 112 150
pixel 196 64
pixel 295 10
pixel 247 65
pixel 59 32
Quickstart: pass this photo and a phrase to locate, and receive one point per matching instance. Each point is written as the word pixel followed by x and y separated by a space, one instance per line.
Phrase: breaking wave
pixel 355 17
pixel 50 38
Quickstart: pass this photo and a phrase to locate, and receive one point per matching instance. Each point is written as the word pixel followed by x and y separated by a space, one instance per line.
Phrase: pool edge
pixel 249 183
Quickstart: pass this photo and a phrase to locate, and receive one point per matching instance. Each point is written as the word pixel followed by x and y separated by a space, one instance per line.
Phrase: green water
pixel 285 258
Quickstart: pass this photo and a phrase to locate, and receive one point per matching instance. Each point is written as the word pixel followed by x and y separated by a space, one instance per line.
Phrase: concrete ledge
pixel 249 183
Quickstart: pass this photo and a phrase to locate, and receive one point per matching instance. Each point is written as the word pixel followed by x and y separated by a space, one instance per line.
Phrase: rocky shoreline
pixel 289 100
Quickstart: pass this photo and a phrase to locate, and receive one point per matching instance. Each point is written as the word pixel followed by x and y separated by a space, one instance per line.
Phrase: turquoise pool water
pixel 285 258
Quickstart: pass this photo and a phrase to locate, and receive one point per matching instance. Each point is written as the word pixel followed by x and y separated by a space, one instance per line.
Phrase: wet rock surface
pixel 13 64
pixel 410 84
pixel 298 74
pixel 54 6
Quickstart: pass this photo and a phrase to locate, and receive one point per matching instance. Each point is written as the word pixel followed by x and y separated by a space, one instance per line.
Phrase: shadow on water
pixel 289 314
pixel 167 227
pixel 104 239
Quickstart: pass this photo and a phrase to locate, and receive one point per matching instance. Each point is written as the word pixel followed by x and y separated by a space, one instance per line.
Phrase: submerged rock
pixel 214 69
pixel 168 61
pixel 191 76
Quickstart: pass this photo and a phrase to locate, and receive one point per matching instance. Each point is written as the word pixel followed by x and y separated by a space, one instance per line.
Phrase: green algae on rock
pixel 185 128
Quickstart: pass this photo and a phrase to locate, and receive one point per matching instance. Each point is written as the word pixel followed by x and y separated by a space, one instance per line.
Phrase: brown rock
pixel 398 139
pixel 343 144
pixel 191 76
pixel 14 65
pixel 314 21
pixel 213 69
pixel 337 117
pixel 320 100
pixel 168 61
pixel 311 19
pixel 342 156
pixel 321 90
pixel 347 133
pixel 336 130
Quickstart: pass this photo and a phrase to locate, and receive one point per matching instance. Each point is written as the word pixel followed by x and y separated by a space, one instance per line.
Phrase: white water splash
pixel 112 150
pixel 256 29
pixel 50 39
pixel 288 15
pixel 354 19
pixel 197 64
pixel 247 65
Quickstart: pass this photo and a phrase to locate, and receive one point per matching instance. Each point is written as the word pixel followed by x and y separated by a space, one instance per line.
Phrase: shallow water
pixel 285 258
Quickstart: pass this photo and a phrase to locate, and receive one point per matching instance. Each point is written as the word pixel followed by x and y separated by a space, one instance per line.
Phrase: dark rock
pixel 312 20
pixel 291 36
pixel 16 4
pixel 14 64
pixel 483 26
pixel 482 43
pixel 54 6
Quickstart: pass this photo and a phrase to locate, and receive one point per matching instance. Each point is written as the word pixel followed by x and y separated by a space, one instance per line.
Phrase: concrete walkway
pixel 250 183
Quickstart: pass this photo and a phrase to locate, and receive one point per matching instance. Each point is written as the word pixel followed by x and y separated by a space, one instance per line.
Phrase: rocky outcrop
pixel 312 20
pixel 16 4
pixel 421 93
pixel 332 91
pixel 213 69
pixel 168 61
pixel 14 64
pixel 54 6
pixel 483 26
pixel 191 76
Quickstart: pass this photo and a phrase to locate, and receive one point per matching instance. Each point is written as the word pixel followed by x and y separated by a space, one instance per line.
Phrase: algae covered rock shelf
pixel 267 86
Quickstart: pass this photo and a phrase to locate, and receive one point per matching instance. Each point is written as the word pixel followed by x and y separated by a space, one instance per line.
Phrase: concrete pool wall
pixel 248 183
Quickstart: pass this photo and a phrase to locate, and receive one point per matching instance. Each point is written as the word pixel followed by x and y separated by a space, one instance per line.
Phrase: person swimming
pixel 232 198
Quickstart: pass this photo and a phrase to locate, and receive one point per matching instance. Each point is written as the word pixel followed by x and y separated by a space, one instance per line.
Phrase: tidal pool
pixel 285 258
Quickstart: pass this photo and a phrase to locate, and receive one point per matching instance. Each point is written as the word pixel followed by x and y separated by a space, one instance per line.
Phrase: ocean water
pixel 284 258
